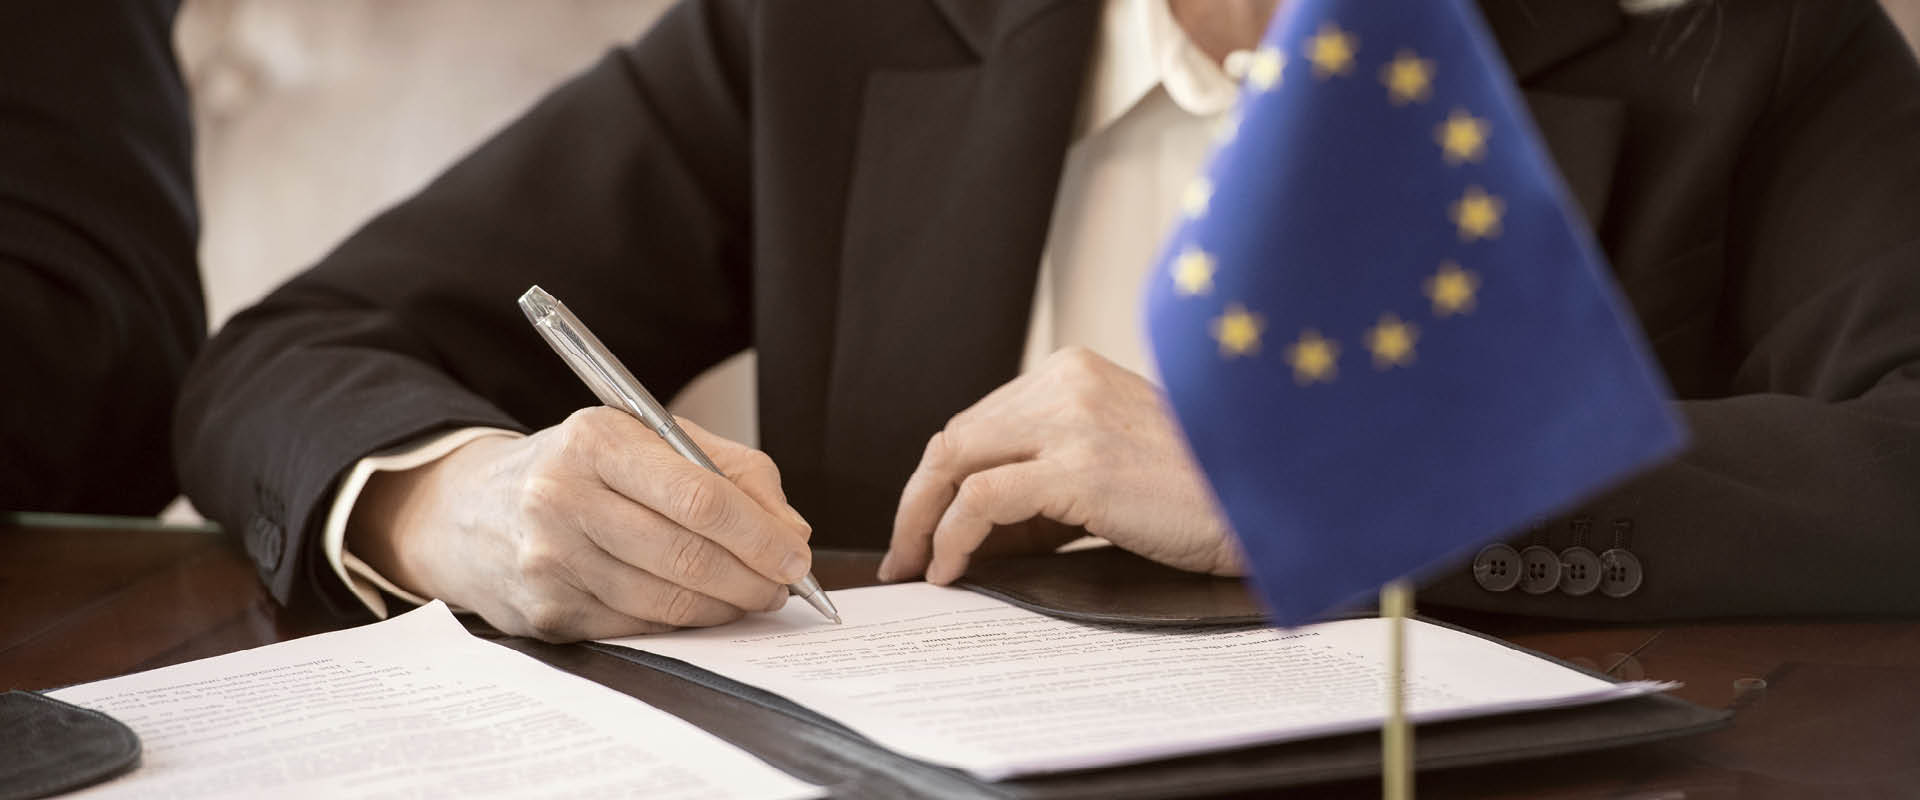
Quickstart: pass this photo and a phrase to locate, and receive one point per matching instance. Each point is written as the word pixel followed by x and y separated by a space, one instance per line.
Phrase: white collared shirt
pixel 1147 122
pixel 1148 117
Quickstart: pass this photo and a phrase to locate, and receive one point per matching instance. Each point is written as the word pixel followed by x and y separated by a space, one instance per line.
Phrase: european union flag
pixel 1384 330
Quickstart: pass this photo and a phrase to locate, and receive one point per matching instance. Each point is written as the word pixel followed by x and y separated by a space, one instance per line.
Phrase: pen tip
pixel 836 620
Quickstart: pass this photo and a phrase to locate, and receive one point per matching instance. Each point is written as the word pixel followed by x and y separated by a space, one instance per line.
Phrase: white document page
pixel 957 678
pixel 410 707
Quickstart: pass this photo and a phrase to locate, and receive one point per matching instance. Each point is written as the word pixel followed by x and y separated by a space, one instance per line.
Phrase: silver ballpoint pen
pixel 615 386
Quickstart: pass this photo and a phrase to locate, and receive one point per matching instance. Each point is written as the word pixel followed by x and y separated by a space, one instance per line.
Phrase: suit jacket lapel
pixel 948 209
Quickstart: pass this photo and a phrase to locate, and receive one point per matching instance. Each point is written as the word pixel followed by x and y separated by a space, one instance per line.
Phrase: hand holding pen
pixel 615 386
pixel 592 528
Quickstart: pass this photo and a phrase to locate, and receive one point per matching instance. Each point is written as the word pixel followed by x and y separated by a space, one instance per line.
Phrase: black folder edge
pixel 868 769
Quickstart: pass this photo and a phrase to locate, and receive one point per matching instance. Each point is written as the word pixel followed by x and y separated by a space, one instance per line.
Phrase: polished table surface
pixel 1822 708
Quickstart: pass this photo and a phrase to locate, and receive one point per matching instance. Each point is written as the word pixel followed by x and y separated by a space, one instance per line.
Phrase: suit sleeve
pixel 623 192
pixel 1800 494
pixel 97 264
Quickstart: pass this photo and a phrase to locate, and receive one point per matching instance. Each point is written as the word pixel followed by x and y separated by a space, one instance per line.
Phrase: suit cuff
pixel 359 578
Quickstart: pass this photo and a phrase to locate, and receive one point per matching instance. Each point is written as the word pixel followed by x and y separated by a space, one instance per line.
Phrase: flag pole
pixel 1396 737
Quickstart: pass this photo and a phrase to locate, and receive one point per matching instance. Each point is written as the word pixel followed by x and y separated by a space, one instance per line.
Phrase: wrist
pixel 400 514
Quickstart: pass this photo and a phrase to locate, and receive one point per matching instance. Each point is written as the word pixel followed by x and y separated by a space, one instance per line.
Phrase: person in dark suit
pixel 888 199
pixel 98 230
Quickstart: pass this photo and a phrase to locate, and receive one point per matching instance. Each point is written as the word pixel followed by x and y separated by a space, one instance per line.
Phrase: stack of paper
pixel 410 707
pixel 960 679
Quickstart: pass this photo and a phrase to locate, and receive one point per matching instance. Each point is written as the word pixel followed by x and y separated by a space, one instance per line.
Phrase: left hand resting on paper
pixel 1081 442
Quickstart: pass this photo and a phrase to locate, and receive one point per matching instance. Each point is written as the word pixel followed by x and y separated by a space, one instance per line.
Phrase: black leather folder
pixel 1106 587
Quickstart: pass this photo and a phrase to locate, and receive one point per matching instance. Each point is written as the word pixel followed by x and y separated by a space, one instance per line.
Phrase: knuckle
pixel 977 494
pixel 536 556
pixel 695 560
pixel 540 495
pixel 697 502
pixel 1073 360
pixel 757 461
pixel 595 418
pixel 680 607
pixel 585 434
pixel 548 620
pixel 577 431
pixel 766 549
pixel 940 448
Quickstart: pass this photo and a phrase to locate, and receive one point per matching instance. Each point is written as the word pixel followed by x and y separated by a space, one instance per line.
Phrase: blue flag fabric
pixel 1386 334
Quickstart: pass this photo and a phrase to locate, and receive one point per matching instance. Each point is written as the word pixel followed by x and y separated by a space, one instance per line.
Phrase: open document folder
pixel 413 706
pixel 959 679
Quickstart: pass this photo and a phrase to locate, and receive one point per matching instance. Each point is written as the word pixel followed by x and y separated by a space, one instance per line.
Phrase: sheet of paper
pixel 410 707
pixel 957 678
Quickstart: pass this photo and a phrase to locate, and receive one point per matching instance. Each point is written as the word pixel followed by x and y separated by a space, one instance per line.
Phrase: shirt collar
pixel 1141 48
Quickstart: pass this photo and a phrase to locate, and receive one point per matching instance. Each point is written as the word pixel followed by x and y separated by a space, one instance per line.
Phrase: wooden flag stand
pixel 1396 736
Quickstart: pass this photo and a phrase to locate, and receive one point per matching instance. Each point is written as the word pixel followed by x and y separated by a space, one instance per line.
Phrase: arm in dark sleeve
pixel 623 192
pixel 102 305
pixel 1800 494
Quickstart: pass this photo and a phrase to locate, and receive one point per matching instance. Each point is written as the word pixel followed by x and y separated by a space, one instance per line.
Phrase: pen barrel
pixel 602 372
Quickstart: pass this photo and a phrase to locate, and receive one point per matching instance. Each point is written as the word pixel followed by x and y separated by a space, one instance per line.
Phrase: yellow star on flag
pixel 1238 331
pixel 1193 271
pixel 1194 200
pixel 1331 51
pixel 1392 342
pixel 1314 359
pixel 1463 137
pixel 1451 290
pixel 1409 78
pixel 1478 214
pixel 1266 67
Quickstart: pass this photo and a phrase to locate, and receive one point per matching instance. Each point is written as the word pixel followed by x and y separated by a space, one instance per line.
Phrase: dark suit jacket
pixel 860 189
pixel 99 283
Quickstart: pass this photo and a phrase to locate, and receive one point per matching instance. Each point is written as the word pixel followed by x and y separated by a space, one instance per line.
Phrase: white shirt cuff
pixel 361 579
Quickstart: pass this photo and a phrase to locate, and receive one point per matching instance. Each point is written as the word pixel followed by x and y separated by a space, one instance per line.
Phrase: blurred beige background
pixel 312 116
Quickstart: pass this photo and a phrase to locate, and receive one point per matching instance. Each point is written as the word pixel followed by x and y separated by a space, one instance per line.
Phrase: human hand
pixel 590 529
pixel 1079 441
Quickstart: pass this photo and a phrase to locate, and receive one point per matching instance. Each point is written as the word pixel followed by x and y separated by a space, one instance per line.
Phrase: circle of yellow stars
pixel 1451 289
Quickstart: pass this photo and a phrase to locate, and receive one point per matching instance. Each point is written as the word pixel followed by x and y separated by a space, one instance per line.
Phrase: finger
pixel 640 465
pixel 641 595
pixel 1000 496
pixel 971 442
pixel 750 469
pixel 640 537
pixel 922 502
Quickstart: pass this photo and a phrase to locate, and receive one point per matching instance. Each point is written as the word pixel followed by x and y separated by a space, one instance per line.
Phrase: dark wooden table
pixel 1824 709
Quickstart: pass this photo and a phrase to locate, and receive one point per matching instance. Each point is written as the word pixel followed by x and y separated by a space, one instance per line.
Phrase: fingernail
pixel 794 514
pixel 885 573
pixel 794 567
